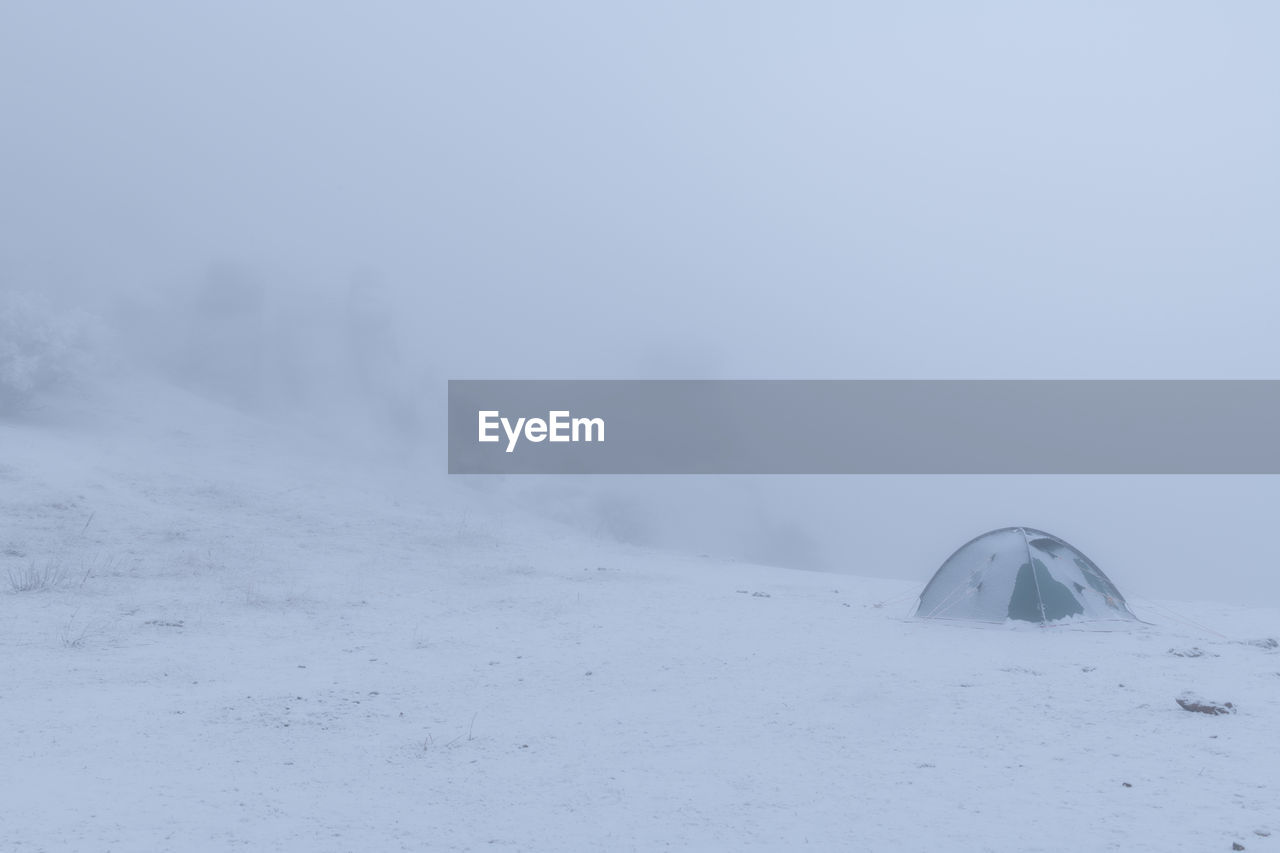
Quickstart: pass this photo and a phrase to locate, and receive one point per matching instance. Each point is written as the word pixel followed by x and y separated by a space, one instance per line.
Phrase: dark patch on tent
pixel 1037 597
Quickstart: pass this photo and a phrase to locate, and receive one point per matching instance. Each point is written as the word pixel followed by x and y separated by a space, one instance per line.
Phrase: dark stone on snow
pixel 1190 702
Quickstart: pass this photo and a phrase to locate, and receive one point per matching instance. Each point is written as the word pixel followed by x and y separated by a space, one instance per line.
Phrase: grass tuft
pixel 37 577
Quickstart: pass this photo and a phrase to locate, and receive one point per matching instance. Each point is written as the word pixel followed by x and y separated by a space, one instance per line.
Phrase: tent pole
pixel 1032 566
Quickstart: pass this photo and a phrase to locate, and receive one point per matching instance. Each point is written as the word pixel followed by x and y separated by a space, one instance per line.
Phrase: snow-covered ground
pixel 236 641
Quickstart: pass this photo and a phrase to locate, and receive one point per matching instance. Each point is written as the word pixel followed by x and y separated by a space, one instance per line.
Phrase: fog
pixel 321 212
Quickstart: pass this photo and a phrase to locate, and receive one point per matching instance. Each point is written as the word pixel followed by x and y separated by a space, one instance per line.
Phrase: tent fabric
pixel 1022 574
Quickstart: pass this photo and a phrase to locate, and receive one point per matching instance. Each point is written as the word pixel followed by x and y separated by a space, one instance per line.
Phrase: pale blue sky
pixel 796 188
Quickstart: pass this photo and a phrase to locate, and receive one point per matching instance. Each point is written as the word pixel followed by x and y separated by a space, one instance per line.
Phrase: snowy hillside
pixel 216 637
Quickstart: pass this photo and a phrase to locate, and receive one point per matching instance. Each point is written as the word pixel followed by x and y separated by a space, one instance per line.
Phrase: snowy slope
pixel 243 643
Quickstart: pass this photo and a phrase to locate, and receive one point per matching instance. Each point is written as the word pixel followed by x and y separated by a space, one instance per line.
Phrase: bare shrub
pixel 41 348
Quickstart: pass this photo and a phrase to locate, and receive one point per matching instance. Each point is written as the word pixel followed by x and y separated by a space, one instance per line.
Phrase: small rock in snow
pixel 1192 702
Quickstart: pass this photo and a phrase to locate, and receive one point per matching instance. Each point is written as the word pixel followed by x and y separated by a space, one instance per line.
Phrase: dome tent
pixel 1022 574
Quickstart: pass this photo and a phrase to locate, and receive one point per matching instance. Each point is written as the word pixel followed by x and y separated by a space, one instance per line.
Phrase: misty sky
pixel 770 189
pixel 686 189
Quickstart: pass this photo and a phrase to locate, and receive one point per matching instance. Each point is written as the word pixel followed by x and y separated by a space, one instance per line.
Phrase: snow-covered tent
pixel 1024 574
